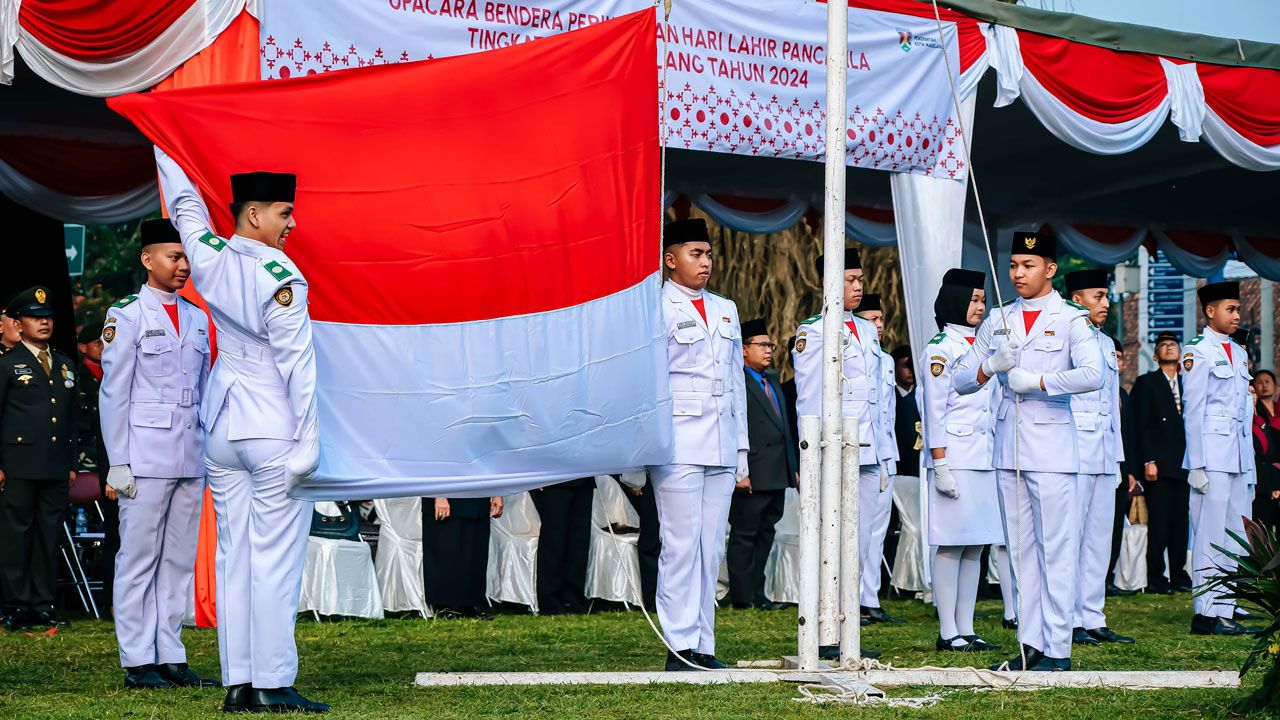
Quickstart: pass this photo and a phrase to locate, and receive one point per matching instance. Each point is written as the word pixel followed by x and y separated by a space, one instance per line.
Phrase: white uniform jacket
pixel 1216 410
pixel 266 369
pixel 1062 347
pixel 153 378
pixel 708 388
pixel 1097 417
pixel 863 378
pixel 964 425
pixel 887 441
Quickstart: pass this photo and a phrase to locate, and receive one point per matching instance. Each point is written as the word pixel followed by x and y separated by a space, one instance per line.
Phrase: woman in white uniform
pixel 964 507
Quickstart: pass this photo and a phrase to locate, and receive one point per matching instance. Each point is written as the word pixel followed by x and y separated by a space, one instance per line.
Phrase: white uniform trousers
pixel 1040 525
pixel 262 547
pixel 155 568
pixel 1228 498
pixel 693 514
pixel 1096 505
pixel 874 509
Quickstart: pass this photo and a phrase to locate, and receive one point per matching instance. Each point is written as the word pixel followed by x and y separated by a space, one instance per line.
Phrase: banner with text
pixel 747 78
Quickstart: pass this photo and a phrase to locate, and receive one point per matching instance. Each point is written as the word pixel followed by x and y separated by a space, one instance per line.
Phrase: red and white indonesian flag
pixel 481 238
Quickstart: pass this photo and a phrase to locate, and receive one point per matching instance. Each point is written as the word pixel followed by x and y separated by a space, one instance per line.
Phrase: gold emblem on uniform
pixel 935 369
pixel 284 296
pixel 800 343
pixel 41 295
pixel 1187 362
pixel 24 379
pixel 108 334
pixel 919 437
pixel 1030 242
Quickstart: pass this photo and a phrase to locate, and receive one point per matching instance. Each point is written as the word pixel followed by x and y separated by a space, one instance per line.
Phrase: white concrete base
pixel 938 677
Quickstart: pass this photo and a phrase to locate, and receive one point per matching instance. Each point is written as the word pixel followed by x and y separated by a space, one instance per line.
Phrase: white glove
pixel 634 479
pixel 943 482
pixel 1002 360
pixel 884 477
pixel 120 477
pixel 1022 381
pixel 742 467
pixel 302 464
pixel 1198 480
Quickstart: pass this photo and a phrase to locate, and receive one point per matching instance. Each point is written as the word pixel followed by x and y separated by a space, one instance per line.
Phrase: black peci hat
pixel 1214 292
pixel 1088 279
pixel 263 187
pixel 971 279
pixel 752 328
pixel 852 260
pixel 1166 335
pixel 1030 243
pixel 870 301
pixel 683 231
pixel 159 230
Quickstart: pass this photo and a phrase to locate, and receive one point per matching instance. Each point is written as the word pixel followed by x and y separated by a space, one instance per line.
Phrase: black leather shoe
pixel 1080 637
pixel 17 620
pixel 49 618
pixel 1113 591
pixel 832 652
pixel 145 677
pixel 1159 590
pixel 237 700
pixel 1015 663
pixel 977 644
pixel 675 663
pixel 950 644
pixel 708 661
pixel 1181 587
pixel 282 700
pixel 1240 615
pixel 182 676
pixel 1010 624
pixel 878 615
pixel 743 606
pixel 1105 634
pixel 1205 625
pixel 1048 664
pixel 1240 629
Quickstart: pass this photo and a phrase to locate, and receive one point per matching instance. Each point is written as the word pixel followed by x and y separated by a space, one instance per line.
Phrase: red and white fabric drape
pixel 109 47
pixel 78 180
pixel 1111 102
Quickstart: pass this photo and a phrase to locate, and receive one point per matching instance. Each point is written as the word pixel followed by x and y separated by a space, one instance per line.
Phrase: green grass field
pixel 365 669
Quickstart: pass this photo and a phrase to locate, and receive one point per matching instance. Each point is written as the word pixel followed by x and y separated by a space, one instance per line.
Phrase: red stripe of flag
pixel 488 185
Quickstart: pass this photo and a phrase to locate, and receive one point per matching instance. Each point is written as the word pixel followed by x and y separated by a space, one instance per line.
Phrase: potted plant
pixel 1255 581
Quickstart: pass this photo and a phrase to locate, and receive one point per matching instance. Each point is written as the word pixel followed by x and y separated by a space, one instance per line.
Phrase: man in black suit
pixel 563 545
pixel 1157 410
pixel 37 461
pixel 759 499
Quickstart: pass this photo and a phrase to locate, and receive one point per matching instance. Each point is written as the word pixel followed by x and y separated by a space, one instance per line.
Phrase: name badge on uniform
pixel 1221 362
pixel 686 324
pixel 21 370
pixel 1049 333
pixel 1002 331
pixel 725 319
pixel 199 331
pixel 154 333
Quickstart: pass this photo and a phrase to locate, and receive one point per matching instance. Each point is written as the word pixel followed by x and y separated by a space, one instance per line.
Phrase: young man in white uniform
pixel 1097 420
pixel 708 401
pixel 260 415
pixel 880 513
pixel 155 361
pixel 1217 414
pixel 1042 350
pixel 959 431
pixel 863 384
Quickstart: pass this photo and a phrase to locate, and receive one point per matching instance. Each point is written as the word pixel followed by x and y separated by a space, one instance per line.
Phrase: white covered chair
pixel 512 575
pixel 399 559
pixel 339 577
pixel 1131 567
pixel 909 572
pixel 782 570
pixel 613 560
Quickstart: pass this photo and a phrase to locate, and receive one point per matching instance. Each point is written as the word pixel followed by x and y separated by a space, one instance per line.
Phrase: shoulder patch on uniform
pixel 284 296
pixel 213 241
pixel 938 338
pixel 811 320
pixel 108 334
pixel 122 302
pixel 1195 340
pixel 1076 305
pixel 278 271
